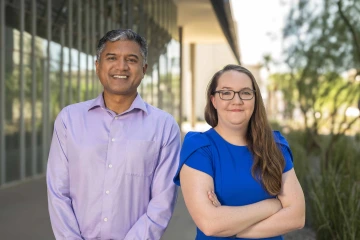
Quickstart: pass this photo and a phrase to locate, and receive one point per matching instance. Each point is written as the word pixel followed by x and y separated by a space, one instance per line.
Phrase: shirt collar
pixel 97 102
pixel 137 103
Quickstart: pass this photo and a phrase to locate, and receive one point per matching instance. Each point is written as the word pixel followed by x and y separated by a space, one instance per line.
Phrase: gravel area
pixel 302 234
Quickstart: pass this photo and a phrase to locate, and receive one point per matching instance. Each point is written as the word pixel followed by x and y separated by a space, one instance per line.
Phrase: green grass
pixel 332 194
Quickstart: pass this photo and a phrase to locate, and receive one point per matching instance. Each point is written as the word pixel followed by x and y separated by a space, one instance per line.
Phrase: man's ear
pixel 144 68
pixel 96 67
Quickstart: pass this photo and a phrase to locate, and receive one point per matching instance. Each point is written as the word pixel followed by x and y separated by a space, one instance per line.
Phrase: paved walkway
pixel 23 212
pixel 24 215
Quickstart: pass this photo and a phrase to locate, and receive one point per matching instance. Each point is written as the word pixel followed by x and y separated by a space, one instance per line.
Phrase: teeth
pixel 119 76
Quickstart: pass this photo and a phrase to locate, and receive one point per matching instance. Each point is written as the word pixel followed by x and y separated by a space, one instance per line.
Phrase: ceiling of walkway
pixel 199 22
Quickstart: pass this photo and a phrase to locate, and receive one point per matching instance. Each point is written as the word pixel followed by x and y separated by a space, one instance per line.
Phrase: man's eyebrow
pixel 129 55
pixel 133 55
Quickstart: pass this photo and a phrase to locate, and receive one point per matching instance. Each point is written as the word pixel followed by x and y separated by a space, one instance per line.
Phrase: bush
pixel 332 194
pixel 334 206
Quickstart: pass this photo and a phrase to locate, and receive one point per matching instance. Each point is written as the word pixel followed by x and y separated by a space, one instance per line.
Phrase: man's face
pixel 120 68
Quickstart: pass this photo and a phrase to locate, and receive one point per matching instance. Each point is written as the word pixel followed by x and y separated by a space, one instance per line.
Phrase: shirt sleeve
pixel 285 150
pixel 195 153
pixel 62 217
pixel 153 223
pixel 288 158
pixel 201 160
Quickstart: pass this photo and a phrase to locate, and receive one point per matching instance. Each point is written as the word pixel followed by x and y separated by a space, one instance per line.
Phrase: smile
pixel 120 76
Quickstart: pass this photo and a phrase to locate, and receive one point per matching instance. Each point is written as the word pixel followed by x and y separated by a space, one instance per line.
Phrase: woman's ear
pixel 212 98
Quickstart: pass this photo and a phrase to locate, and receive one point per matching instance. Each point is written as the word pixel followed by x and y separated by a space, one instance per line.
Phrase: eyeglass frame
pixel 238 92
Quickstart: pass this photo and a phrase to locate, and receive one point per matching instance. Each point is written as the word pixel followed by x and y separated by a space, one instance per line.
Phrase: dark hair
pixel 122 35
pixel 268 160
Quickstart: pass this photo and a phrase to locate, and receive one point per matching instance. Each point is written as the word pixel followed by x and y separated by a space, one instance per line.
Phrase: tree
pixel 322 44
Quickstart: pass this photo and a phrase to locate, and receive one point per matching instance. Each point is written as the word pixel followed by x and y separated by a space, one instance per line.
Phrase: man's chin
pixel 121 92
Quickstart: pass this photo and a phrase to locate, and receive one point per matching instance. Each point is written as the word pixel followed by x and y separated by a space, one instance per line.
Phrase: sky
pixel 260 24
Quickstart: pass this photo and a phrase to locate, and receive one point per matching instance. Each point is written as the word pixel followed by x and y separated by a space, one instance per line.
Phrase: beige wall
pixel 209 58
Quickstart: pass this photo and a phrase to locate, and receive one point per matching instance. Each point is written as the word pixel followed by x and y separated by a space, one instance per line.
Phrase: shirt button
pixel 113 139
pixel 107 192
pixel 105 219
pixel 116 118
pixel 110 165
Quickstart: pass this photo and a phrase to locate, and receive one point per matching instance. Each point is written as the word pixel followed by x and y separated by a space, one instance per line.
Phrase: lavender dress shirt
pixel 110 176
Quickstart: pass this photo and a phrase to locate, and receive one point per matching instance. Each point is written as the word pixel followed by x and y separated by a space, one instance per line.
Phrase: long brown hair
pixel 268 160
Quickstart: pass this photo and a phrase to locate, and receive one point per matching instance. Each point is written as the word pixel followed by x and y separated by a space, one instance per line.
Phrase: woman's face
pixel 235 113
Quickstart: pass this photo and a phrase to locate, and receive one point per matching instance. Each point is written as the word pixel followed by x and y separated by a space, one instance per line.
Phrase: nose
pixel 237 98
pixel 122 64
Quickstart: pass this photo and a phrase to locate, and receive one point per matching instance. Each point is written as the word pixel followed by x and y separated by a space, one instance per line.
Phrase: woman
pixel 241 162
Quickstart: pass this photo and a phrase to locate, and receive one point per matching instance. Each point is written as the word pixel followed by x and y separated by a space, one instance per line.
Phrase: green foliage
pixel 322 38
pixel 332 194
pixel 334 204
pixel 322 44
pixel 285 83
pixel 322 41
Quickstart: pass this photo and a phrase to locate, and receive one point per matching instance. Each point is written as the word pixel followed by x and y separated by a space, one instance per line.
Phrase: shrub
pixel 332 194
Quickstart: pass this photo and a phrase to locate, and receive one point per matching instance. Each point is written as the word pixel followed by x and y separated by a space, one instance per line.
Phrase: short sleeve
pixel 196 154
pixel 201 160
pixel 288 158
pixel 285 150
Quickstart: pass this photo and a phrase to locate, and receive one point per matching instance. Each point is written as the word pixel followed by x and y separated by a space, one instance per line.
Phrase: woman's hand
pixel 275 201
pixel 216 219
pixel 212 197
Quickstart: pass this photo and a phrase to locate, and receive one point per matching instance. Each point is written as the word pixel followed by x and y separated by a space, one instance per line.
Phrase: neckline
pixel 217 135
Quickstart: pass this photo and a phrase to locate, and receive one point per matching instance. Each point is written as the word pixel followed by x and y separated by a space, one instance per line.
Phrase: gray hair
pixel 123 35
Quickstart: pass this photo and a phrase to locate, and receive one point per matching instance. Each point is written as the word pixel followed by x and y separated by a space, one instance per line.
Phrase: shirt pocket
pixel 140 158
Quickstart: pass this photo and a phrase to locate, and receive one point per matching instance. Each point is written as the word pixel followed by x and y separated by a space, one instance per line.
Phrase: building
pixel 47 55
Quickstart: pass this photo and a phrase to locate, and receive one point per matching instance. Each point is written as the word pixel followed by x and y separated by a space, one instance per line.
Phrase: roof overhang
pixel 207 21
pixel 223 12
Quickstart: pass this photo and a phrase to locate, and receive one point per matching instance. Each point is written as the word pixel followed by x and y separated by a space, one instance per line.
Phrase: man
pixel 112 159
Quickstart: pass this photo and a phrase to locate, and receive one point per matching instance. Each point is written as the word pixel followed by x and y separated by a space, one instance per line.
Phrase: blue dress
pixel 230 167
